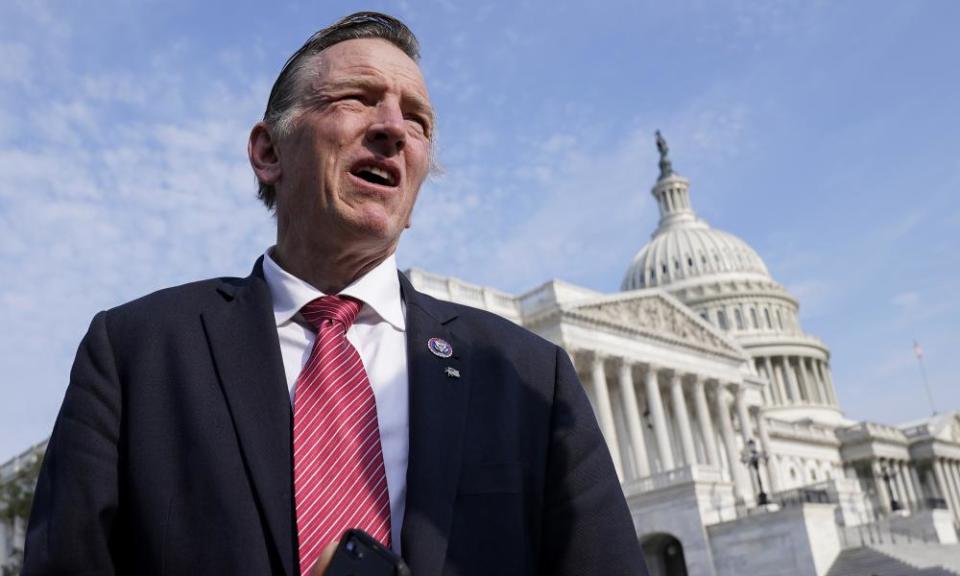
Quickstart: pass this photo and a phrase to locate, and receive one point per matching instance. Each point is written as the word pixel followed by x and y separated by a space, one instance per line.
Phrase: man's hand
pixel 322 563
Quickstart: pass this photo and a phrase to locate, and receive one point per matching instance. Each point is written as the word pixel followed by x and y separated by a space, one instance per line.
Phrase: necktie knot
pixel 342 309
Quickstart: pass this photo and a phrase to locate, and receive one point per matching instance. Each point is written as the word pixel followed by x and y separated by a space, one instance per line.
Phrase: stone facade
pixel 699 363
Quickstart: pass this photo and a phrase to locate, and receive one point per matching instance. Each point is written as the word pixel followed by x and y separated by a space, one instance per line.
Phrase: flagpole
pixel 918 351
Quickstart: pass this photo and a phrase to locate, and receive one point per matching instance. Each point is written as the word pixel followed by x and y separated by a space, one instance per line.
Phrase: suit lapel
pixel 243 340
pixel 438 412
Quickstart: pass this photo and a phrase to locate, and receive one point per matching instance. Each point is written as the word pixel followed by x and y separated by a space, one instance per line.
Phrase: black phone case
pixel 359 554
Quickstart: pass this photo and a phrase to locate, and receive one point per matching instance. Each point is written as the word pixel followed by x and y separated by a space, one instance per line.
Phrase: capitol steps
pixel 898 560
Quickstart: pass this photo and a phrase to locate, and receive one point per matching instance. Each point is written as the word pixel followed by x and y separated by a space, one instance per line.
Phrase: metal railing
pixel 799 496
pixel 876 533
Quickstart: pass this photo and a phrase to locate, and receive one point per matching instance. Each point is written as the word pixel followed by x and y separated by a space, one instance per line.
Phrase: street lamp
pixel 888 475
pixel 751 457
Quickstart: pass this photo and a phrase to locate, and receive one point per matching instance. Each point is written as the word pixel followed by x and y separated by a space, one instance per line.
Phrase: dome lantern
pixel 672 191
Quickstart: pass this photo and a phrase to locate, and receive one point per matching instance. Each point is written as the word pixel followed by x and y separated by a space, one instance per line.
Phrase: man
pixel 461 441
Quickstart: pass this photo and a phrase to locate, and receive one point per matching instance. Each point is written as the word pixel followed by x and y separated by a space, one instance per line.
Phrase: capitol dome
pixel 689 250
pixel 724 281
pixel 684 247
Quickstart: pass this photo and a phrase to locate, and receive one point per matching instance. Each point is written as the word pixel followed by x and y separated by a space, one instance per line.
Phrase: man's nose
pixel 388 128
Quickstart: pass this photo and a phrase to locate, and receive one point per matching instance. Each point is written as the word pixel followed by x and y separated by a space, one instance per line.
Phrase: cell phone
pixel 360 554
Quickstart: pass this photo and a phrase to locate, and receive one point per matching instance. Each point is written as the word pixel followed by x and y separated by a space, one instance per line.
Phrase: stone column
pixel 791 380
pixel 706 422
pixel 943 488
pixel 682 418
pixel 883 496
pixel 813 391
pixel 821 384
pixel 655 403
pixel 772 472
pixel 915 480
pixel 830 389
pixel 908 483
pixel 741 490
pixel 605 412
pixel 950 474
pixel 634 425
pixel 765 366
pixel 742 413
pixel 900 481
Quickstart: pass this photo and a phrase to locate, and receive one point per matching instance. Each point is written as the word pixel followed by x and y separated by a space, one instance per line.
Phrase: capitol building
pixel 722 418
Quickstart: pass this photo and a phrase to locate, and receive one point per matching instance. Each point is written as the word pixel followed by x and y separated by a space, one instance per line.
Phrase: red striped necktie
pixel 338 473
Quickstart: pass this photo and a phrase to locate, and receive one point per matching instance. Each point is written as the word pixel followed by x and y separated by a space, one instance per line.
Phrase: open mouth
pixel 375 175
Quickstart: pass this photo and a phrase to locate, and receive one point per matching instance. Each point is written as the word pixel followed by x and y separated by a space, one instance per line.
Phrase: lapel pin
pixel 452 372
pixel 440 348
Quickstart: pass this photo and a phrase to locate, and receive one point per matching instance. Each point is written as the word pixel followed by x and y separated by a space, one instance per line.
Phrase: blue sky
pixel 825 134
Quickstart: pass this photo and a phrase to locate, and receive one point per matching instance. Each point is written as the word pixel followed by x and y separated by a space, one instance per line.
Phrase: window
pixel 738 317
pixel 753 318
pixel 665 270
pixel 690 262
pixel 653 274
pixel 766 313
pixel 813 475
pixel 676 264
pixel 780 319
pixel 705 315
pixel 722 320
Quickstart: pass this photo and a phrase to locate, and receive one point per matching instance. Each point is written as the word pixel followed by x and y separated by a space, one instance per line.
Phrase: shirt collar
pixel 378 289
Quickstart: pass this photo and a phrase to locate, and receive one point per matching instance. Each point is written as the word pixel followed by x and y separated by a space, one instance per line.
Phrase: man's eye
pixel 355 97
pixel 419 124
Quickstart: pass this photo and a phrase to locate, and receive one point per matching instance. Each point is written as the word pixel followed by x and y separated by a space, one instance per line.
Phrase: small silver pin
pixel 440 347
pixel 452 372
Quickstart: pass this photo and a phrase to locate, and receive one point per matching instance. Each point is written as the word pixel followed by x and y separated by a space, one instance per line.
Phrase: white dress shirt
pixel 379 335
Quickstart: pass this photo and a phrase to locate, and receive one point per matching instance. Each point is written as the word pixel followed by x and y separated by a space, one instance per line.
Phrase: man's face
pixel 353 163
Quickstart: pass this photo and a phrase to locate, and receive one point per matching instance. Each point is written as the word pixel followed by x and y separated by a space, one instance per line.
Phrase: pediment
pixel 949 428
pixel 657 315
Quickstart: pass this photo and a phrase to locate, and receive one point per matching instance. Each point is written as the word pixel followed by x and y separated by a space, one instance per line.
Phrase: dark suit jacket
pixel 172 450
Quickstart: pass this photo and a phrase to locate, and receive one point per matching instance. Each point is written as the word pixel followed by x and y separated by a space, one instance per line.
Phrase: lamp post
pixel 888 475
pixel 752 457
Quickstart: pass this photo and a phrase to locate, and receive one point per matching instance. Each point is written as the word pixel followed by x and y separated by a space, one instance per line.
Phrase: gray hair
pixel 286 97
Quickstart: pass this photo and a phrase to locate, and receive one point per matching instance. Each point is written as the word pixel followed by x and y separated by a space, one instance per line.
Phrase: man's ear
pixel 264 158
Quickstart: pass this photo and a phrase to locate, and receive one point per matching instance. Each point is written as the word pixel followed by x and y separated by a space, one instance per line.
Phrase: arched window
pixel 722 320
pixel 753 318
pixel 779 319
pixel 738 317
pixel 766 313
